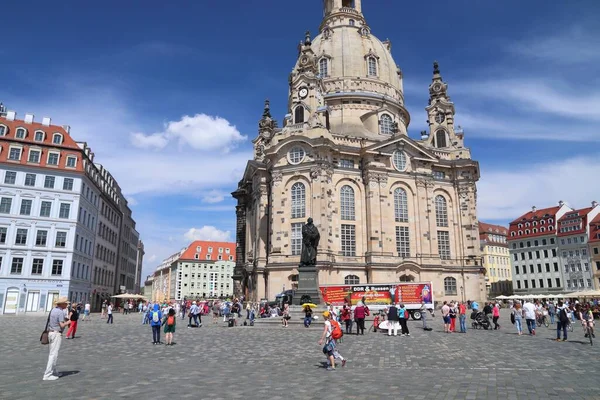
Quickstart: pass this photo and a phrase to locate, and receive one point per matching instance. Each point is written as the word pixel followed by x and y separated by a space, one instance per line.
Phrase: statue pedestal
pixel 307 285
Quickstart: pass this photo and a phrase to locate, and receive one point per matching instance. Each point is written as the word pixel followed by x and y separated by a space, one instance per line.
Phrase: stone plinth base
pixel 307 285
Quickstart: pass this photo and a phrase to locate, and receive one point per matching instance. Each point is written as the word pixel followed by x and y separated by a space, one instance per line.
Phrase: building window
pixel 49 182
pixel 34 156
pixel 5 205
pixel 348 240
pixel 61 239
pixel 30 179
pixel 45 209
pixel 21 133
pixel 17 265
pixel 399 160
pixel 298 200
pixel 39 136
pixel 299 115
pixel 441 211
pixel 53 158
pixel 386 125
pixel 400 205
pixel 57 138
pixel 352 22
pixel 402 241
pixel 21 238
pixel 439 175
pixel 450 286
pixel 443 238
pixel 3 235
pixel 10 178
pixel 2 130
pixel 372 63
pixel 14 154
pixel 296 238
pixel 37 267
pixel 65 210
pixel 351 280
pixel 323 68
pixel 71 162
pixel 344 163
pixel 347 203
pixel 296 155
pixel 57 266
pixel 440 139
pixel 68 184
pixel 26 207
pixel 40 238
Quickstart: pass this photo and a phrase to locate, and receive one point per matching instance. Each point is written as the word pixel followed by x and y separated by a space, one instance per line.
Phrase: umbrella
pixel 311 305
pixel 501 297
pixel 128 296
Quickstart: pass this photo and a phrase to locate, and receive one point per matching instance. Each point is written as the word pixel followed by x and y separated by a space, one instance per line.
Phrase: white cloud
pixel 152 258
pixel 506 194
pixel 208 232
pixel 572 46
pixel 131 201
pixel 213 196
pixel 200 132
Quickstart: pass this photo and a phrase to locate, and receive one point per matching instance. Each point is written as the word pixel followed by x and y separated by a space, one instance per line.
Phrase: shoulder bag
pixel 44 337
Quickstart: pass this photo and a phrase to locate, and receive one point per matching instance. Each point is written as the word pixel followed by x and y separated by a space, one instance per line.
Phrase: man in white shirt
pixel 109 311
pixel 86 312
pixel 529 313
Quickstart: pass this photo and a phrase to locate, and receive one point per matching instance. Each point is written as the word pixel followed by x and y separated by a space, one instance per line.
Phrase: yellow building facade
pixel 495 259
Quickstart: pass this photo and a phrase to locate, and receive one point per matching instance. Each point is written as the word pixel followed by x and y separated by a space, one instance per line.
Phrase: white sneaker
pixel 50 378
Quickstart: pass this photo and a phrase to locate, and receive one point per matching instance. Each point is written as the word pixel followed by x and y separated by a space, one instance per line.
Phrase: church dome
pixel 360 83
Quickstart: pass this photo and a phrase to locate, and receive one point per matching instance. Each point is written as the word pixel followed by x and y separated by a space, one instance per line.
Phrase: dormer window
pixel 34 156
pixel 3 130
pixel 21 133
pixel 323 67
pixel 372 66
pixel 57 138
pixel 53 158
pixel 39 136
pixel 71 161
pixel 386 125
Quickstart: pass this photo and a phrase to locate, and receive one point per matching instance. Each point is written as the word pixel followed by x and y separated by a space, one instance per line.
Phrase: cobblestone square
pixel 271 362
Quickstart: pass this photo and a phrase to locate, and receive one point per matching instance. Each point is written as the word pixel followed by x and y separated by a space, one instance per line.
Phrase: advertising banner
pixel 379 294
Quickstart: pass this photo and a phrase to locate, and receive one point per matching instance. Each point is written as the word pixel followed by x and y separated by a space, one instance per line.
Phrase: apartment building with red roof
pixel 203 269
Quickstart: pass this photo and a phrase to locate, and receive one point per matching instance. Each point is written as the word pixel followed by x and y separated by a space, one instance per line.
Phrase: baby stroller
pixel 480 320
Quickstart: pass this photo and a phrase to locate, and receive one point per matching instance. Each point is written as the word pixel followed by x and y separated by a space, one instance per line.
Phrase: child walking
pixel 169 323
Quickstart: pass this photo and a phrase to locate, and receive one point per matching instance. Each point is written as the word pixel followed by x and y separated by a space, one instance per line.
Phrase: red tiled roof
pixel 66 148
pixel 538 216
pixel 595 229
pixel 490 228
pixel 580 214
pixel 192 250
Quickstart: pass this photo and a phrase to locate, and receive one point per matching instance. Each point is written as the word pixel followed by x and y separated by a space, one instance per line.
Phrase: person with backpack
pixel 332 331
pixel 403 314
pixel 155 322
pixel 393 320
pixel 73 317
pixel 563 321
pixel 169 322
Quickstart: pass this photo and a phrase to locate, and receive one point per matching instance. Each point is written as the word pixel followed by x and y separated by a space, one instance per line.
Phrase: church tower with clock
pixel 389 207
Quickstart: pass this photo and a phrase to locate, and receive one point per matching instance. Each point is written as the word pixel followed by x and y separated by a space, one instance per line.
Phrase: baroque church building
pixel 389 208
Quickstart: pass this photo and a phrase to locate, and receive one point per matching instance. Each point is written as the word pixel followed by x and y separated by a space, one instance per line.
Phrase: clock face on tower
pixel 440 117
pixel 303 92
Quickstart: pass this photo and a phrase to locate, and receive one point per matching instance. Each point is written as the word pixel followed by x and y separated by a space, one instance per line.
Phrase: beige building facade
pixel 388 207
pixel 495 258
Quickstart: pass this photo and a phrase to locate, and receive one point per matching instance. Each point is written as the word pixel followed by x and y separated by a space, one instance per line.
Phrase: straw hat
pixel 62 300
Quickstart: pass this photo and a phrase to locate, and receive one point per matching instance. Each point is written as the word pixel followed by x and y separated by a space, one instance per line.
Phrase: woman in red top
pixel 347 318
pixel 359 316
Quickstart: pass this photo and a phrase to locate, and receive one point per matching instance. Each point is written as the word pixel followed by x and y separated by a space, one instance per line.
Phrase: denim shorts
pixel 447 319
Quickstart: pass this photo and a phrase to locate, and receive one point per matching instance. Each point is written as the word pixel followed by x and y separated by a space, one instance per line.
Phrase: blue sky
pixel 169 95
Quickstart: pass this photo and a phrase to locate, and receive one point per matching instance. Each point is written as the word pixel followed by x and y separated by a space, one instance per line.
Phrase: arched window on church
pixel 372 64
pixel 299 115
pixel 323 68
pixel 441 211
pixel 351 280
pixel 386 125
pixel 440 139
pixel 450 286
pixel 298 200
pixel 347 203
pixel 406 278
pixel 400 205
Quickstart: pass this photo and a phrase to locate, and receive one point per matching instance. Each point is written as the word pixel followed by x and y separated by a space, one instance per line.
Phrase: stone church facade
pixel 388 207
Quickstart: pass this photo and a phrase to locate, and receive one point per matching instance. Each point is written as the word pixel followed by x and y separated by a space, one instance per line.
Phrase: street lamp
pixel 462 294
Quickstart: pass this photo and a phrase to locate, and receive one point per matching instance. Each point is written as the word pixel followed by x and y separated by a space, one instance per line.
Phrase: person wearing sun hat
pixel 56 324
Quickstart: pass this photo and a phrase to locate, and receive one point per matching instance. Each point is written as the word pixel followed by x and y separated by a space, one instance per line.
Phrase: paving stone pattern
pixel 270 362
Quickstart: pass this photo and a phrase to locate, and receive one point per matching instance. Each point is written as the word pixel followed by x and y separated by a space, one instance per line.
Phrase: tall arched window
pixel 351 280
pixel 400 205
pixel 299 115
pixel 386 125
pixel 347 203
pixel 440 139
pixel 450 286
pixel 372 64
pixel 441 211
pixel 323 68
pixel 298 200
